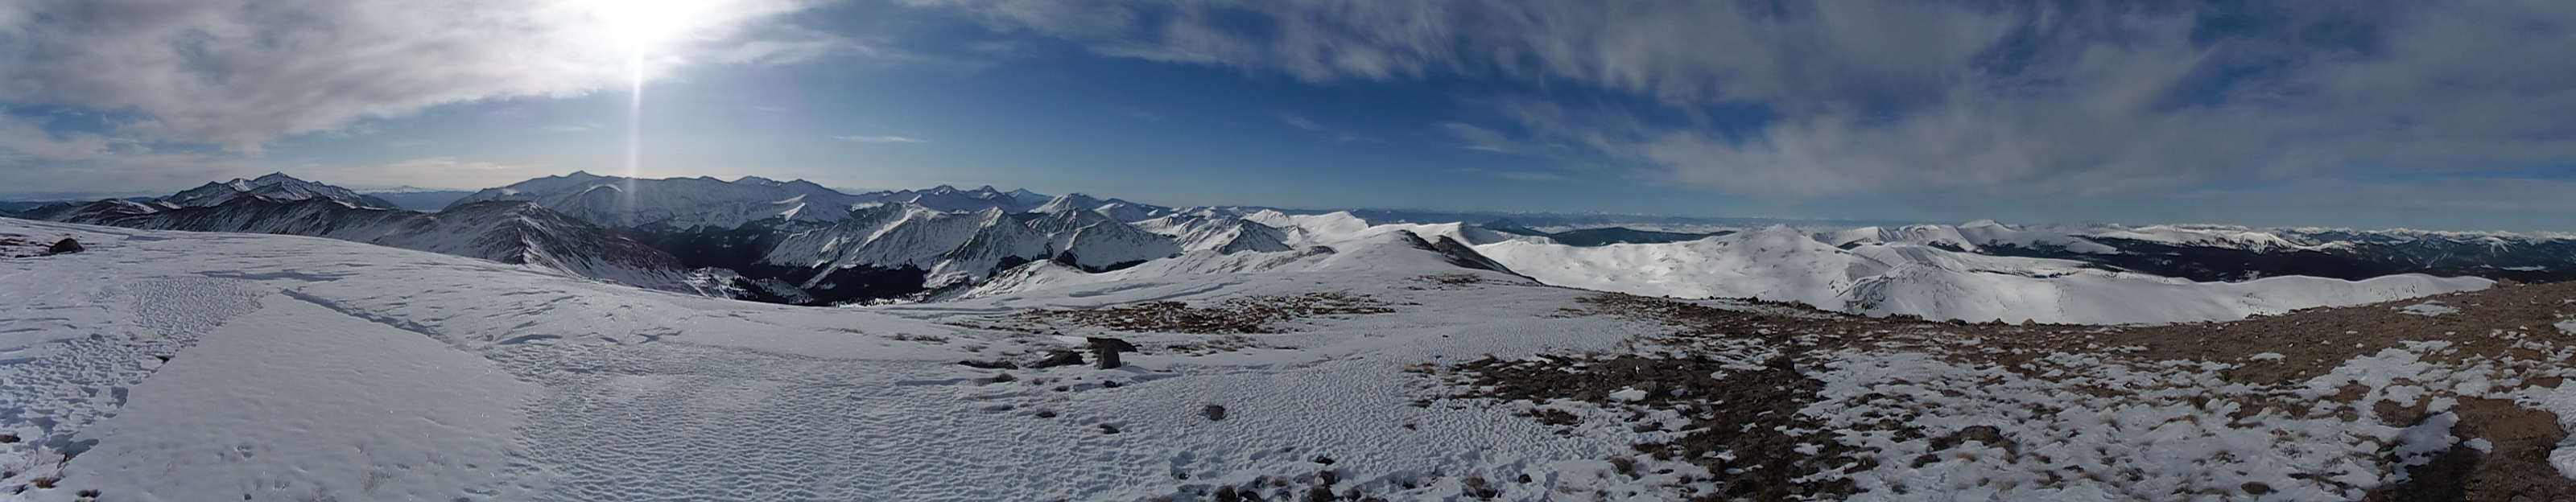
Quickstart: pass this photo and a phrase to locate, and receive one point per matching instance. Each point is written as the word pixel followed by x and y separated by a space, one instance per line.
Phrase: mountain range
pixel 801 243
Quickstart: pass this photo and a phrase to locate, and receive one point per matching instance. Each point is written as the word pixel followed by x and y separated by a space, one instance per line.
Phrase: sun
pixel 651 26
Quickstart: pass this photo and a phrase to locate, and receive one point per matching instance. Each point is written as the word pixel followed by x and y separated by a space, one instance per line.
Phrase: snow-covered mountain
pixel 916 248
pixel 2236 253
pixel 161 365
pixel 799 242
pixel 511 232
pixel 1783 264
pixel 686 204
pixel 678 203
pixel 1935 281
pixel 274 186
pixel 836 246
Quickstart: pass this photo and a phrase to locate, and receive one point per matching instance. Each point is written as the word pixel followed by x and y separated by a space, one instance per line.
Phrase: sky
pixel 2454 115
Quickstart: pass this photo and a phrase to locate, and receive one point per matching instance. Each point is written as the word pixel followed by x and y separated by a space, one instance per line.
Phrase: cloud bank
pixel 2031 99
pixel 239 73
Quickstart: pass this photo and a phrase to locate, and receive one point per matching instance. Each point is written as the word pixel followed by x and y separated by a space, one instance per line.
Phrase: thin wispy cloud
pixel 1478 138
pixel 1299 122
pixel 1975 98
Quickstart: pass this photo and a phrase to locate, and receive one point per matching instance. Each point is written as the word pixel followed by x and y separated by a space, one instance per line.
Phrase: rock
pixel 1213 412
pixel 990 365
pixel 65 246
pixel 1058 358
pixel 1112 343
pixel 1106 350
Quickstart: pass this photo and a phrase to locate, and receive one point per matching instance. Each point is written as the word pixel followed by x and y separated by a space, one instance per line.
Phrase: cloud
pixel 1478 138
pixel 1299 122
pixel 30 140
pixel 433 172
pixel 126 171
pixel 1322 132
pixel 1999 98
pixel 881 139
pixel 239 73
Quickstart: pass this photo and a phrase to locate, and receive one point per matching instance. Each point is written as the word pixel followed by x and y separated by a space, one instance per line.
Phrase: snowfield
pixel 1781 264
pixel 162 365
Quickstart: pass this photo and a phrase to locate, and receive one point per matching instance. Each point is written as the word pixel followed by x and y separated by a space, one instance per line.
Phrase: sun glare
pixel 648 26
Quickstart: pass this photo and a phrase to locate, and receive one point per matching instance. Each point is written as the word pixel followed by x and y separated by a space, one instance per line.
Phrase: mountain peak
pixel 275 186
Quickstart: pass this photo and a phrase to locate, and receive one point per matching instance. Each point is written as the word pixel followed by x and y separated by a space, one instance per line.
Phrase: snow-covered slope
pixel 184 366
pixel 1209 231
pixel 1781 264
pixel 414 375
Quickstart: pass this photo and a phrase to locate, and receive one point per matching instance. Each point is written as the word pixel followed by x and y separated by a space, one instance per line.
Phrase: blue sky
pixel 2445 115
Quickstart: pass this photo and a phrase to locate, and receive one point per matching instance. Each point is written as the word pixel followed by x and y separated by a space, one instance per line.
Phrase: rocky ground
pixel 1743 386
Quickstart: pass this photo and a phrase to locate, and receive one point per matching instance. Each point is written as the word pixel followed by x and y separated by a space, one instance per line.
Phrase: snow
pixel 2428 309
pixel 2173 427
pixel 304 368
pixel 227 417
pixel 1782 264
pixel 434 377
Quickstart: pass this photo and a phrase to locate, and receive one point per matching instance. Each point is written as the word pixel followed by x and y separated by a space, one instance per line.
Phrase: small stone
pixel 1213 412
pixel 65 246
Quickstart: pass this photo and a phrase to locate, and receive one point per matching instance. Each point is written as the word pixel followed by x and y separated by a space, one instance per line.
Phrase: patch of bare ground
pixel 1239 315
pixel 1745 427
pixel 1444 281
pixel 1748 432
